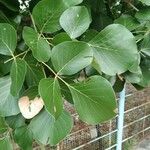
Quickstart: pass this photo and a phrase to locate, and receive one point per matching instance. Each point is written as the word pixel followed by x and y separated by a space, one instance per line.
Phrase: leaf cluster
pixel 79 51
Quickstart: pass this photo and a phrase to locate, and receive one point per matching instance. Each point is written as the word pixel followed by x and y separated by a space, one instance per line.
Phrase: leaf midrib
pixel 7 46
pixel 52 84
pixel 83 94
pixel 72 60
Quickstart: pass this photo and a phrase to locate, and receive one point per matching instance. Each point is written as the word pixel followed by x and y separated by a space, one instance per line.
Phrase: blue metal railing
pixel 120 119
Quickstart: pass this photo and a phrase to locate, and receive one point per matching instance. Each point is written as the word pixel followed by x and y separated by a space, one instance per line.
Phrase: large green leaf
pixel 49 90
pixel 8 39
pixel 47 13
pixel 5 143
pixel 39 46
pixel 94 100
pixel 115 49
pixel 147 2
pixel 128 21
pixel 23 136
pixel 8 103
pixel 17 73
pixel 75 21
pixel 70 57
pixel 49 131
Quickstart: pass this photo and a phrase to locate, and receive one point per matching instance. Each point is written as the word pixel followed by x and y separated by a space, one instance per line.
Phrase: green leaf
pixel 145 68
pixel 3 18
pixel 135 67
pixel 49 90
pixel 91 71
pixel 39 46
pixel 72 2
pixel 133 77
pixel 4 67
pixel 100 21
pixel 89 35
pixel 3 126
pixel 34 74
pixel 49 131
pixel 99 13
pixel 143 15
pixel 70 57
pixel 145 45
pixel 5 143
pixel 47 13
pixel 61 37
pixel 94 100
pixel 147 2
pixel 23 136
pixel 17 73
pixel 65 91
pixel 8 39
pixel 75 21
pixel 128 21
pixel 111 52
pixel 138 87
pixel 12 5
pixel 15 121
pixel 31 92
pixel 35 71
pixel 8 103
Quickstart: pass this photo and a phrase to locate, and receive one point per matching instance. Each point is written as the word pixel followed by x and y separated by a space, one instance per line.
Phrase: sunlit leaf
pixel 111 52
pixel 8 39
pixel 94 100
pixel 70 57
pixel 18 72
pixel 52 131
pixel 75 21
pixel 8 103
pixel 49 90
pixel 39 46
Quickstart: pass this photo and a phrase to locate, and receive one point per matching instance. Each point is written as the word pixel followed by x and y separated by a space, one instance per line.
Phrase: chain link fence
pixel 104 136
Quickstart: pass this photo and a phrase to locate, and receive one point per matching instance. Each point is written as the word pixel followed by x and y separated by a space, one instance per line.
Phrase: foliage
pixel 80 51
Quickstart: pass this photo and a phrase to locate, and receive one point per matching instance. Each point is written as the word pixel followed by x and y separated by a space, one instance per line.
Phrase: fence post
pixel 120 120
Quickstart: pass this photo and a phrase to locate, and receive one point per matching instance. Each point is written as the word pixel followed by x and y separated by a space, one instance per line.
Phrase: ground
pixel 143 145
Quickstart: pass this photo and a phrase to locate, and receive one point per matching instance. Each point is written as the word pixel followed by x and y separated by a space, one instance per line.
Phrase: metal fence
pixel 108 136
pixel 121 133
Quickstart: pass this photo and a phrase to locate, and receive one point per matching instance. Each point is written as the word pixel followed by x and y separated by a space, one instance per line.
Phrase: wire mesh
pixel 103 136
